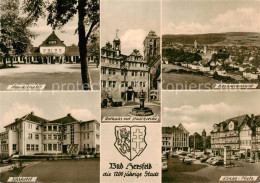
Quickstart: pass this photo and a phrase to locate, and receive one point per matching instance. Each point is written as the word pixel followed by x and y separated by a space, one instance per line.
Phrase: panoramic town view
pixel 214 46
pixel 40 53
pixel 217 134
pixel 130 61
pixel 39 141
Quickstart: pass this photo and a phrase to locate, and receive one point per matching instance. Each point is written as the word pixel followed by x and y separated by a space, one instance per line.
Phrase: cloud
pixel 240 19
pixel 195 119
pixel 132 39
pixel 18 110
pixel 80 114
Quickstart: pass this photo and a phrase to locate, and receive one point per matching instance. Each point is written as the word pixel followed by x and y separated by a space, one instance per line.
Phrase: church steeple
pixel 117 44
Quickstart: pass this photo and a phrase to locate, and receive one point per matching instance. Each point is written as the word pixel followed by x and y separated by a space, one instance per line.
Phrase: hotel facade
pixel 123 77
pixel 51 51
pixel 175 138
pixel 30 135
pixel 241 134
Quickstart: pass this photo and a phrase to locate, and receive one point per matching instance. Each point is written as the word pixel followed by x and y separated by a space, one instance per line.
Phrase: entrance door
pixel 129 96
pixel 64 149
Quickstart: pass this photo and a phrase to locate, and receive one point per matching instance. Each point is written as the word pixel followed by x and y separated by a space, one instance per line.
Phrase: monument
pixel 142 110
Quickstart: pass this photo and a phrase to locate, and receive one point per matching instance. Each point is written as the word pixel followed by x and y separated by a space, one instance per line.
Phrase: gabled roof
pixel 64 120
pixel 52 37
pixel 30 117
pixel 174 129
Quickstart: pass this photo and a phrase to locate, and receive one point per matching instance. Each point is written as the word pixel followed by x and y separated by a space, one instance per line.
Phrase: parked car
pixel 190 155
pixel 183 154
pixel 164 164
pixel 187 161
pixel 234 157
pixel 174 155
pixel 210 160
pixel 204 159
pixel 198 156
pixel 218 162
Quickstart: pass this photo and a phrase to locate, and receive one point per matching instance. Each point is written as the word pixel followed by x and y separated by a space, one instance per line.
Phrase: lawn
pixel 176 169
pixel 12 173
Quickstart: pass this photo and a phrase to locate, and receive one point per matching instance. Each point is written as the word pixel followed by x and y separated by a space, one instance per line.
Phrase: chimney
pixel 32 113
pixel 16 119
pixel 68 115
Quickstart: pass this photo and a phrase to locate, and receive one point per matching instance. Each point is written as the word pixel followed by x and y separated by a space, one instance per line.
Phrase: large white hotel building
pixel 30 135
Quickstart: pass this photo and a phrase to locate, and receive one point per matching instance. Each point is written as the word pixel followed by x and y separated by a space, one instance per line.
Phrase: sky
pixel 133 18
pixel 210 16
pixel 81 105
pixel 198 110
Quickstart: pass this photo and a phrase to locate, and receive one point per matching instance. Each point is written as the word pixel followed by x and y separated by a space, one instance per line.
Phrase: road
pixel 202 172
pixel 64 171
pixel 54 76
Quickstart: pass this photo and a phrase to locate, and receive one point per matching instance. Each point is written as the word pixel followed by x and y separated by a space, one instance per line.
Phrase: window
pixel 87 135
pixel 103 70
pixel 28 147
pixel 109 71
pixel 55 137
pixel 45 147
pixel 44 137
pixel 29 136
pixel 87 126
pixel 49 128
pixel 133 73
pixel 37 147
pixel 55 128
pixel 32 147
pixel 49 137
pixel 55 147
pixel 65 137
pixel 114 72
pixel 59 147
pixel 84 136
pixel 45 128
pixel 14 147
pixel 103 84
pixel 37 136
pixel 84 126
pixel 49 147
pixel 65 128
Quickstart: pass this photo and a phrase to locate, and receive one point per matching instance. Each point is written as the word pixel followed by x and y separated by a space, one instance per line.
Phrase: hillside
pixel 229 38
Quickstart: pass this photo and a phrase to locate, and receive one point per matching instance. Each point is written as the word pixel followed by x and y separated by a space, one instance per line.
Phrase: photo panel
pixel 130 61
pixel 208 44
pixel 211 136
pixel 130 153
pixel 50 137
pixel 49 46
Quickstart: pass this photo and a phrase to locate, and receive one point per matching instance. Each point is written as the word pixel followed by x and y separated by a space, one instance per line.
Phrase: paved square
pixel 55 76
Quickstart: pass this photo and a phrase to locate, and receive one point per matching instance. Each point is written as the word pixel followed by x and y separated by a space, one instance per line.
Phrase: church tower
pixel 151 46
pixel 117 44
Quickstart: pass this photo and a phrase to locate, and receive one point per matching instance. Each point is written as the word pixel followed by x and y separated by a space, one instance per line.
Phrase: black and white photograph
pixel 49 45
pixel 49 137
pixel 210 135
pixel 130 60
pixel 208 43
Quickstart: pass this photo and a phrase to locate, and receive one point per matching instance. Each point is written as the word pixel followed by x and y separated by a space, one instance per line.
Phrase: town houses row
pixel 30 135
pixel 241 134
pixel 242 62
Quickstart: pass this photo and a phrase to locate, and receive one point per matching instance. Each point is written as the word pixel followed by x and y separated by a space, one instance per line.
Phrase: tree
pixel 60 12
pixel 15 33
